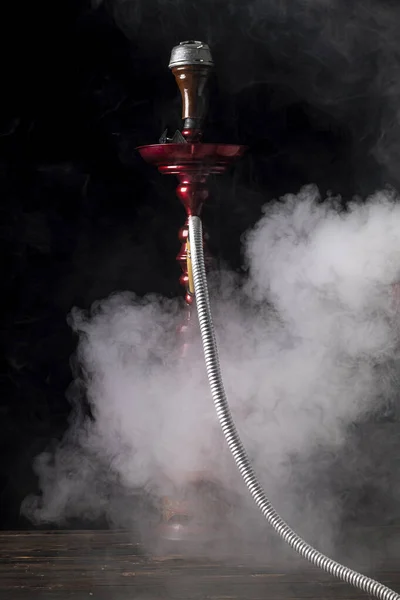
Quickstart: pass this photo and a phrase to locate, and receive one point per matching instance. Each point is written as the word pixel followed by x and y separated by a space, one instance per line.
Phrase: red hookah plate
pixel 177 158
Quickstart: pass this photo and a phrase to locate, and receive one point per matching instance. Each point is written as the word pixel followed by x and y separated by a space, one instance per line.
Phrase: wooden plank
pixel 112 565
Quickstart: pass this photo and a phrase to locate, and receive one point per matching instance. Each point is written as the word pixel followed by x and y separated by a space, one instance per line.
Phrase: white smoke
pixel 306 349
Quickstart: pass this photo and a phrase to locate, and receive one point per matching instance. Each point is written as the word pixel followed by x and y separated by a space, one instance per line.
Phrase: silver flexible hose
pixel 372 587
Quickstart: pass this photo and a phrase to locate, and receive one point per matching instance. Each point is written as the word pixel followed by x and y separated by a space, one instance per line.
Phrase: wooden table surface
pixel 106 565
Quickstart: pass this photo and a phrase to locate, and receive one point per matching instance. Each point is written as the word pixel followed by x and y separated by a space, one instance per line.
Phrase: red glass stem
pixel 192 192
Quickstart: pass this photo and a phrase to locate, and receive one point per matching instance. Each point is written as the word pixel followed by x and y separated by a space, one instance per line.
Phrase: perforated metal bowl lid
pixel 191 53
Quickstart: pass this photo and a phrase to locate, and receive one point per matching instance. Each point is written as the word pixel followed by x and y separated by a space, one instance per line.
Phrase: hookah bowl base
pixel 196 516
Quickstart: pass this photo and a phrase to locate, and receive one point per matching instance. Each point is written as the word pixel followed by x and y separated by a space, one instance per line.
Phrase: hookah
pixel 192 161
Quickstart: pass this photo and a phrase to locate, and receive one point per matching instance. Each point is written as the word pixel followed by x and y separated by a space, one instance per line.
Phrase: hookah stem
pixel 368 585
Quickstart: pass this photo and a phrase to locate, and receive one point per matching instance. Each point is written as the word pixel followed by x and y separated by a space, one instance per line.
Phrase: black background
pixel 83 216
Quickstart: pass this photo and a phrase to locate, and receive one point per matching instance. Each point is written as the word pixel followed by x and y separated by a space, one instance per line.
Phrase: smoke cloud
pixel 309 346
pixel 309 343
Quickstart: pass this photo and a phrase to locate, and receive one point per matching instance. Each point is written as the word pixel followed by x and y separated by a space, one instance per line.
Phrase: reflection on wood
pixel 112 565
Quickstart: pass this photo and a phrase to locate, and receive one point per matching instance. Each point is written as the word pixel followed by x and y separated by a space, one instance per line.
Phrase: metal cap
pixel 191 53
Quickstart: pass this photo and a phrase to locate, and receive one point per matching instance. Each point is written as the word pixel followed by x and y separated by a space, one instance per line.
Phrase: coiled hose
pixel 372 587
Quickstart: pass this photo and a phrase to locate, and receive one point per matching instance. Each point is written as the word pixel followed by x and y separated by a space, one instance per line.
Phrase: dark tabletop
pixel 112 565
